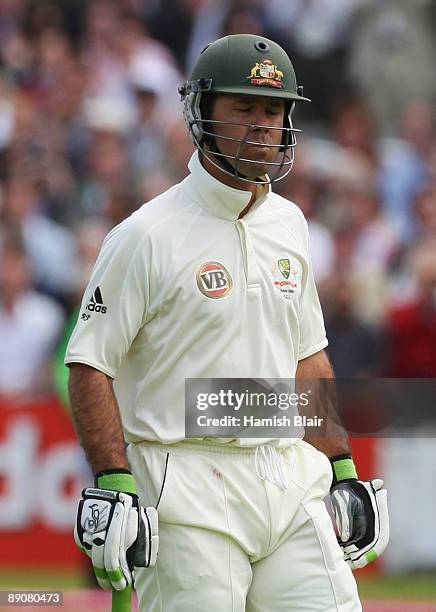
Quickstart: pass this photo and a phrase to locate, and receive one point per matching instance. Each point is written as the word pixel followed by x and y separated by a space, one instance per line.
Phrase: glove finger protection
pixel 117 534
pixel 359 552
pixel 117 544
pixel 361 516
pixel 148 540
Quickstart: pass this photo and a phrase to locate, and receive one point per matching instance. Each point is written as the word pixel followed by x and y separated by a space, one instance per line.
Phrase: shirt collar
pixel 219 199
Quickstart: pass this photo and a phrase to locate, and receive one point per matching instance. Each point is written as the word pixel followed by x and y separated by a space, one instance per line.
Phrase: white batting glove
pixel 362 519
pixel 117 534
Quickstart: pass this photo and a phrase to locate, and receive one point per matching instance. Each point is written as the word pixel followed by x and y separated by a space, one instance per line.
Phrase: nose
pixel 259 116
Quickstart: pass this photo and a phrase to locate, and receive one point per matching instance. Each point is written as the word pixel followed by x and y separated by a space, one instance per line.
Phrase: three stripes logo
pixel 96 302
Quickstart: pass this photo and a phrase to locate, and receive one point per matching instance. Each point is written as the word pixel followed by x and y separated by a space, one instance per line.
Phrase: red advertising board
pixel 42 472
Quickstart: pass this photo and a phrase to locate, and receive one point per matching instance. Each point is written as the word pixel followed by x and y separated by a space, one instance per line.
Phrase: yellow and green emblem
pixel 284 267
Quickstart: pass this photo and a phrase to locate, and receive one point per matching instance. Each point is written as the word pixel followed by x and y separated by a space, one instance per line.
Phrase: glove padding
pixel 362 520
pixel 117 534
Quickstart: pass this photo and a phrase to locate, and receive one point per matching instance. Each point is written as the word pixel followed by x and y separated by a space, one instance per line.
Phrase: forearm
pixel 96 418
pixel 335 439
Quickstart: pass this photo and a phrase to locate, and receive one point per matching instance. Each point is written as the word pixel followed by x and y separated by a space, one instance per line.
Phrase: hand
pixel 362 520
pixel 117 534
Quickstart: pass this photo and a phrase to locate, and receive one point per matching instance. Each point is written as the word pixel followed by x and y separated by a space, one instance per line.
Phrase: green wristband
pixel 117 481
pixel 344 469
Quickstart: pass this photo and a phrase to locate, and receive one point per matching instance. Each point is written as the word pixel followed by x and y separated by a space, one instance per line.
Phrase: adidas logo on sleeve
pixel 96 303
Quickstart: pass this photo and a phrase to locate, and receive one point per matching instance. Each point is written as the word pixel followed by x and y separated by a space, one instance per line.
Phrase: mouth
pixel 261 147
pixel 258 151
pixel 254 142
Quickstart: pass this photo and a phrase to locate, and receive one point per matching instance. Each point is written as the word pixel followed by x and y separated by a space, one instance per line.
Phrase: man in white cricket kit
pixel 190 286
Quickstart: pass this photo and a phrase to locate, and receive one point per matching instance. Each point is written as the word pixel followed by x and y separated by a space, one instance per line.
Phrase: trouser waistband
pixel 269 461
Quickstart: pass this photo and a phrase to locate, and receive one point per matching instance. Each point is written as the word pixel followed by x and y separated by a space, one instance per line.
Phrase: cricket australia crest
pixel 284 267
pixel 286 277
pixel 266 73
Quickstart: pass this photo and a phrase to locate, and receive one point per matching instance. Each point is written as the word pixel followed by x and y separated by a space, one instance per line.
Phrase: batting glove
pixel 361 513
pixel 115 531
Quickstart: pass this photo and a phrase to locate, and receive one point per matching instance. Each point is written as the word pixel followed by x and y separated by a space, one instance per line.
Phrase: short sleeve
pixel 312 331
pixel 115 303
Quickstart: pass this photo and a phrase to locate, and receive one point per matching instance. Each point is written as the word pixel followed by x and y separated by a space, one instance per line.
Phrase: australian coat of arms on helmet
pixel 266 73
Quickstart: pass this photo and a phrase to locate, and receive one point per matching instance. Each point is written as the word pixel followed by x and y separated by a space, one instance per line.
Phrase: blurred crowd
pixel 91 128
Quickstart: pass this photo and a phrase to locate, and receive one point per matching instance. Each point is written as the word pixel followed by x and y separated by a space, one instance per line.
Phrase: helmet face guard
pixel 202 133
pixel 248 65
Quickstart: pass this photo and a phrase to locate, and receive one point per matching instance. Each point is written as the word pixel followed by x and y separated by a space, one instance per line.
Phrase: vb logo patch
pixel 286 277
pixel 213 280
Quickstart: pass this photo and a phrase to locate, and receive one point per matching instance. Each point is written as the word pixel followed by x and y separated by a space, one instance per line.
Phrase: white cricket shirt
pixel 185 289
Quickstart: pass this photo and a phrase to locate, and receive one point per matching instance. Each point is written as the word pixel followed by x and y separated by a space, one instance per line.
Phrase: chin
pixel 253 170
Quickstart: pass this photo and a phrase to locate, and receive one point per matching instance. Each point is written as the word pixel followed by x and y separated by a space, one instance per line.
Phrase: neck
pixel 230 181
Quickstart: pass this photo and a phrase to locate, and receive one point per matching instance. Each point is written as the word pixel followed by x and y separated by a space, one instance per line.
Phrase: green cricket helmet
pixel 241 64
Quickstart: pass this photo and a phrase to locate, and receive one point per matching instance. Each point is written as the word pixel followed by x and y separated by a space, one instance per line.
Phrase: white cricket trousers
pixel 231 541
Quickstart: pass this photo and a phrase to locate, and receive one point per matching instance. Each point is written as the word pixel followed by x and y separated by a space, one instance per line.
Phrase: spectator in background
pixel 411 328
pixel 354 130
pixel 62 85
pixel 406 165
pixel 109 171
pixel 316 33
pixel 7 116
pixel 304 191
pixel 105 67
pixel 172 24
pixel 49 245
pixel 347 159
pixel 245 17
pixel 372 245
pixel 425 212
pixel 376 242
pixel 207 25
pixel 120 205
pixel 16 55
pixel 152 67
pixel 178 149
pixel 30 325
pixel 146 141
pixel 89 238
pixel 392 51
pixel 432 162
pixel 11 17
pixel 37 146
pixel 354 346
pixel 404 280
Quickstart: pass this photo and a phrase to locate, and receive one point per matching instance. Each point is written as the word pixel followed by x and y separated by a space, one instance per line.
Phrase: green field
pixel 402 586
pixel 40 579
